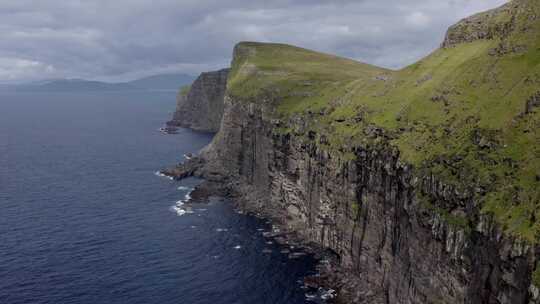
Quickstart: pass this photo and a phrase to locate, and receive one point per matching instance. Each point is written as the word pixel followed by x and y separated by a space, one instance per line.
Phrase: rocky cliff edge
pixel 422 183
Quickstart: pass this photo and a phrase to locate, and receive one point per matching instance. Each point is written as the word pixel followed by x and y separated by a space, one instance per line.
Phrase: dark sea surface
pixel 85 219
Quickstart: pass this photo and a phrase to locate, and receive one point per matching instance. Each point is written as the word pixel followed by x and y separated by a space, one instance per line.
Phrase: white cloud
pixel 418 19
pixel 125 38
pixel 18 68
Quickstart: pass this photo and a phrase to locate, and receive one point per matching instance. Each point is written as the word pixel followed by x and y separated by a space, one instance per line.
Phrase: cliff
pixel 200 106
pixel 423 183
pixel 504 23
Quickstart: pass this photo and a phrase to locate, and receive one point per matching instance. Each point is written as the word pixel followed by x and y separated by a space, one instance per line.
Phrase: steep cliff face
pixel 499 23
pixel 201 106
pixel 422 182
pixel 378 217
pixel 492 24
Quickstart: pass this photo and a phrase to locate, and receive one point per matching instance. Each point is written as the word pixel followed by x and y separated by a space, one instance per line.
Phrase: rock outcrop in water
pixel 201 106
pixel 398 232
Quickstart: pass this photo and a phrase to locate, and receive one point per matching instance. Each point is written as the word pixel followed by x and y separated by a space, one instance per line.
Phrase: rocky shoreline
pixel 328 272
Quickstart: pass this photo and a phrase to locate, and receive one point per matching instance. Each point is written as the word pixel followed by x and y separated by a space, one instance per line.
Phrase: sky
pixel 126 39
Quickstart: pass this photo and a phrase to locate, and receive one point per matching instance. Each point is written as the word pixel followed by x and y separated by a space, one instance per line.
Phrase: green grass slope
pixel 466 113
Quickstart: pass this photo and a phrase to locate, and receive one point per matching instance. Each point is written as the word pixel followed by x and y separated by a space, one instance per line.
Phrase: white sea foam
pixel 180 207
pixel 158 173
pixel 187 157
pixel 328 294
pixel 237 247
pixel 182 211
pixel 222 229
pixel 178 210
pixel 320 294
pixel 184 188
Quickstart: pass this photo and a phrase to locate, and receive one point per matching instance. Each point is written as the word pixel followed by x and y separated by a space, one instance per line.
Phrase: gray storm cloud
pixel 124 39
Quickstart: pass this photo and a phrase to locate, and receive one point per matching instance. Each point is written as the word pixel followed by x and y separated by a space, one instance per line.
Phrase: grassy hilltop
pixel 469 112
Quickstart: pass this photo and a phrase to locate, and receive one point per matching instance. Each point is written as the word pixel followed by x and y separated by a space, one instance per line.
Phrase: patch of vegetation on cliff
pixel 457 221
pixel 184 90
pixel 461 113
pixel 536 276
pixel 356 209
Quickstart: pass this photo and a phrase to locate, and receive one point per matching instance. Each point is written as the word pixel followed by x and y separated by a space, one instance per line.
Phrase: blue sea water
pixel 84 219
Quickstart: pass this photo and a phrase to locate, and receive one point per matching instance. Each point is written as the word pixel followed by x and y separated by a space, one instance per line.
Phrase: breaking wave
pixel 180 207
pixel 158 173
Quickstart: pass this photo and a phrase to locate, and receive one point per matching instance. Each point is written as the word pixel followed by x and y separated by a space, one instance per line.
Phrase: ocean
pixel 85 219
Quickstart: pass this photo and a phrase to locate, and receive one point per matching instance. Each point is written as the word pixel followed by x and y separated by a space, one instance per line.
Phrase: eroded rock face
pixel 532 103
pixel 392 246
pixel 202 107
pixel 496 23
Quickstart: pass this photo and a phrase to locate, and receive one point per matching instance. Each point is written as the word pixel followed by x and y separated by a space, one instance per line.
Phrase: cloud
pixel 122 39
pixel 17 68
pixel 418 19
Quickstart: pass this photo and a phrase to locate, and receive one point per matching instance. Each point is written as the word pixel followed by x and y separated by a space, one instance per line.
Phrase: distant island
pixel 156 82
